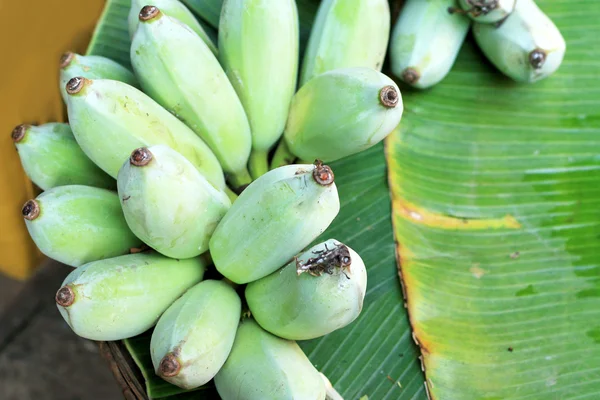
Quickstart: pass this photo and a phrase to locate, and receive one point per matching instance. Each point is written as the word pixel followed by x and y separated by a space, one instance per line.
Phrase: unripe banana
pixel 176 68
pixel 92 67
pixel 426 40
pixel 274 218
pixel 262 366
pixel 317 293
pixel 527 46
pixel 346 34
pixel 172 8
pixel 487 11
pixel 167 203
pixel 258 48
pixel 195 335
pixel 342 112
pixel 124 296
pixel 209 10
pixel 77 224
pixel 51 157
pixel 110 119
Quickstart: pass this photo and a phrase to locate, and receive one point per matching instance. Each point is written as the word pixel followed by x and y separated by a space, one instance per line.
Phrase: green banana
pixel 110 119
pixel 124 296
pixel 526 47
pixel 92 67
pixel 258 48
pixel 317 293
pixel 426 40
pixel 177 69
pixel 262 366
pixel 167 203
pixel 51 157
pixel 347 33
pixel 208 10
pixel 274 218
pixel 172 8
pixel 487 11
pixel 77 224
pixel 342 112
pixel 195 335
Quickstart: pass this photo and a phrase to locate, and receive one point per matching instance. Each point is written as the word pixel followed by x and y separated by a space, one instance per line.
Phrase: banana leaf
pixel 487 194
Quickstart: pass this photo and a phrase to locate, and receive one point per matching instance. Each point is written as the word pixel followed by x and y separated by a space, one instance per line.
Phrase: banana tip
pixel 148 12
pixel 169 366
pixel 65 296
pixel 410 76
pixel 30 210
pixel 140 157
pixel 75 85
pixel 322 174
pixel 19 133
pixel 537 58
pixel 389 96
pixel 66 59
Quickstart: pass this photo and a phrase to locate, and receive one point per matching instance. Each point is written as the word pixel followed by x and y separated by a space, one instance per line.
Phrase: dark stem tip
pixel 148 12
pixel 389 96
pixel 75 85
pixel 537 58
pixel 410 76
pixel 169 366
pixel 30 210
pixel 322 174
pixel 140 157
pixel 66 59
pixel 19 133
pixel 65 296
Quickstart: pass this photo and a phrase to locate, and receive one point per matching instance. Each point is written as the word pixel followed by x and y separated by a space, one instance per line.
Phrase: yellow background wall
pixel 33 35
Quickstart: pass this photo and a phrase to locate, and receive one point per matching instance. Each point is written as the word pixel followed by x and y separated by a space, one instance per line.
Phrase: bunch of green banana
pixel 167 203
pixel 110 119
pixel 209 10
pixel 194 337
pixel 322 290
pixel 426 40
pixel 91 67
pixel 77 224
pixel 172 8
pixel 487 11
pixel 347 33
pixel 51 157
pixel 527 46
pixel 264 367
pixel 274 218
pixel 342 112
pixel 258 48
pixel 177 69
pixel 121 297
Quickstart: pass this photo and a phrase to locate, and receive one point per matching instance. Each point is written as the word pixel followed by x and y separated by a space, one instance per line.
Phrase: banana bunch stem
pixel 283 156
pixel 258 163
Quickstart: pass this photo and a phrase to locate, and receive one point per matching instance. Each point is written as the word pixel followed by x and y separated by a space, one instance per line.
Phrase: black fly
pixel 325 261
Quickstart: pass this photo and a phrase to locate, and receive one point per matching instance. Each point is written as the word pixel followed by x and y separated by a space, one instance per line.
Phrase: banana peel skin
pixel 77 224
pixel 346 34
pixel 194 337
pixel 527 46
pixel 167 203
pixel 51 157
pixel 110 119
pixel 426 40
pixel 177 69
pixel 262 366
pixel 273 219
pixel 121 297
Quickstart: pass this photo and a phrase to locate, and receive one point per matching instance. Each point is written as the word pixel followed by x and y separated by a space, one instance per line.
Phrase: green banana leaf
pixel 492 195
pixel 496 203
